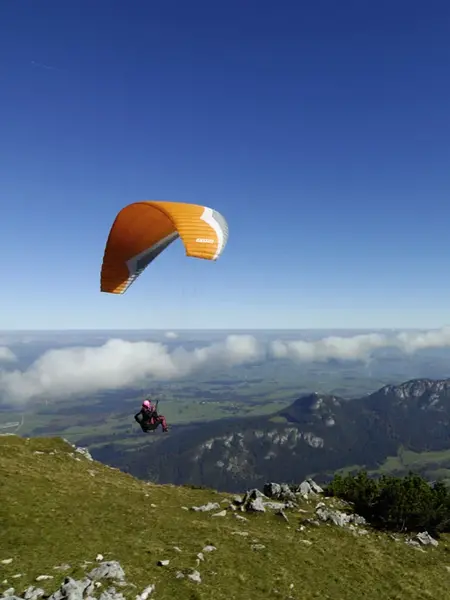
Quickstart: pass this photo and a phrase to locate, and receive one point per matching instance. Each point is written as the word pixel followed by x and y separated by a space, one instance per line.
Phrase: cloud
pixel 171 335
pixel 117 364
pixel 7 355
pixel 411 342
pixel 358 347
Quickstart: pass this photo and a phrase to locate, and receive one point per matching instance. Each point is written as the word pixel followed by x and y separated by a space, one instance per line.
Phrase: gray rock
pixel 258 547
pixel 256 505
pixel 32 593
pixel 314 522
pixel 250 497
pixel 272 490
pixel 108 570
pixel 9 592
pixel 89 586
pixel 425 539
pixel 84 452
pixel 163 563
pixel 146 592
pixel 358 519
pixel 240 518
pixel 305 489
pixel 206 507
pixel 413 543
pixel 337 517
pixel 279 491
pixel 111 594
pixel 314 486
pixel 286 493
pixel 195 576
pixel 71 590
pixel 275 505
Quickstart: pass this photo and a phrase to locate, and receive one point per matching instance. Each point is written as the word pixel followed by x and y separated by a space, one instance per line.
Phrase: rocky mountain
pixel 316 435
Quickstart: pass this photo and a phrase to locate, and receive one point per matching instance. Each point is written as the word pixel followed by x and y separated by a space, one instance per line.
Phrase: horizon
pixel 225 329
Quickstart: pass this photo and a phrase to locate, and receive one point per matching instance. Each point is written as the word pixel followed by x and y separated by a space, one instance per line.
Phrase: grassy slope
pixel 55 509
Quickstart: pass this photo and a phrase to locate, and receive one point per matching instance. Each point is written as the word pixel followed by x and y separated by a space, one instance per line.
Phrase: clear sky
pixel 320 130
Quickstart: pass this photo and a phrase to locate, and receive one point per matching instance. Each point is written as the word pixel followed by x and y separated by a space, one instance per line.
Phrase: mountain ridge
pixel 315 435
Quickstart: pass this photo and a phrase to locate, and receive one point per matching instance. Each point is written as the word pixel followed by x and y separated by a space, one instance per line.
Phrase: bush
pixel 403 504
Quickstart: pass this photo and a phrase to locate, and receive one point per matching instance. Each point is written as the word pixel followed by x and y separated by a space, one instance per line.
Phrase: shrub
pixel 409 503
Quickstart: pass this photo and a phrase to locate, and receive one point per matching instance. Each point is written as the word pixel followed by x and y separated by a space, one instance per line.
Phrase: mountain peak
pixel 317 401
pixel 312 408
pixel 415 388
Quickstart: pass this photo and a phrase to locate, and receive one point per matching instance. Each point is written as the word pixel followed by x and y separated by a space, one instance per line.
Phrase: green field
pixel 432 465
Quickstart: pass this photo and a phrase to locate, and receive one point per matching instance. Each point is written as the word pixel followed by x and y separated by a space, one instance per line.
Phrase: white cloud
pixel 358 347
pixel 171 335
pixel 7 355
pixel 411 342
pixel 349 348
pixel 118 364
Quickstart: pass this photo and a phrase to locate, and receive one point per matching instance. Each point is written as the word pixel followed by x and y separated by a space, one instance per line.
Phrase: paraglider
pixel 149 419
pixel 142 230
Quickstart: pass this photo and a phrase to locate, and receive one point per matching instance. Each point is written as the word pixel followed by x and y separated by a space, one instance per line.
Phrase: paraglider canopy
pixel 142 230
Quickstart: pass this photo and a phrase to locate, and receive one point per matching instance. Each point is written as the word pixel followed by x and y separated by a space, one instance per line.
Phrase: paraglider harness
pixel 150 421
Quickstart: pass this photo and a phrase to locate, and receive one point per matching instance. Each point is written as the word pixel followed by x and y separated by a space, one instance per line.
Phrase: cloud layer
pixel 7 355
pixel 119 363
pixel 359 347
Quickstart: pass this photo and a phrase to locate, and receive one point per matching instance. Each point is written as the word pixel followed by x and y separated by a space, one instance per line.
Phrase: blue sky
pixel 320 130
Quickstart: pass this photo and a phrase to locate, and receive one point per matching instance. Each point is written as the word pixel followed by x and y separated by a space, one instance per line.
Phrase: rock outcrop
pixel 84 589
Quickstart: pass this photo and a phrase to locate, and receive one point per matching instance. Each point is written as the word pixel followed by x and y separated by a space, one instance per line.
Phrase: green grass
pixel 55 509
